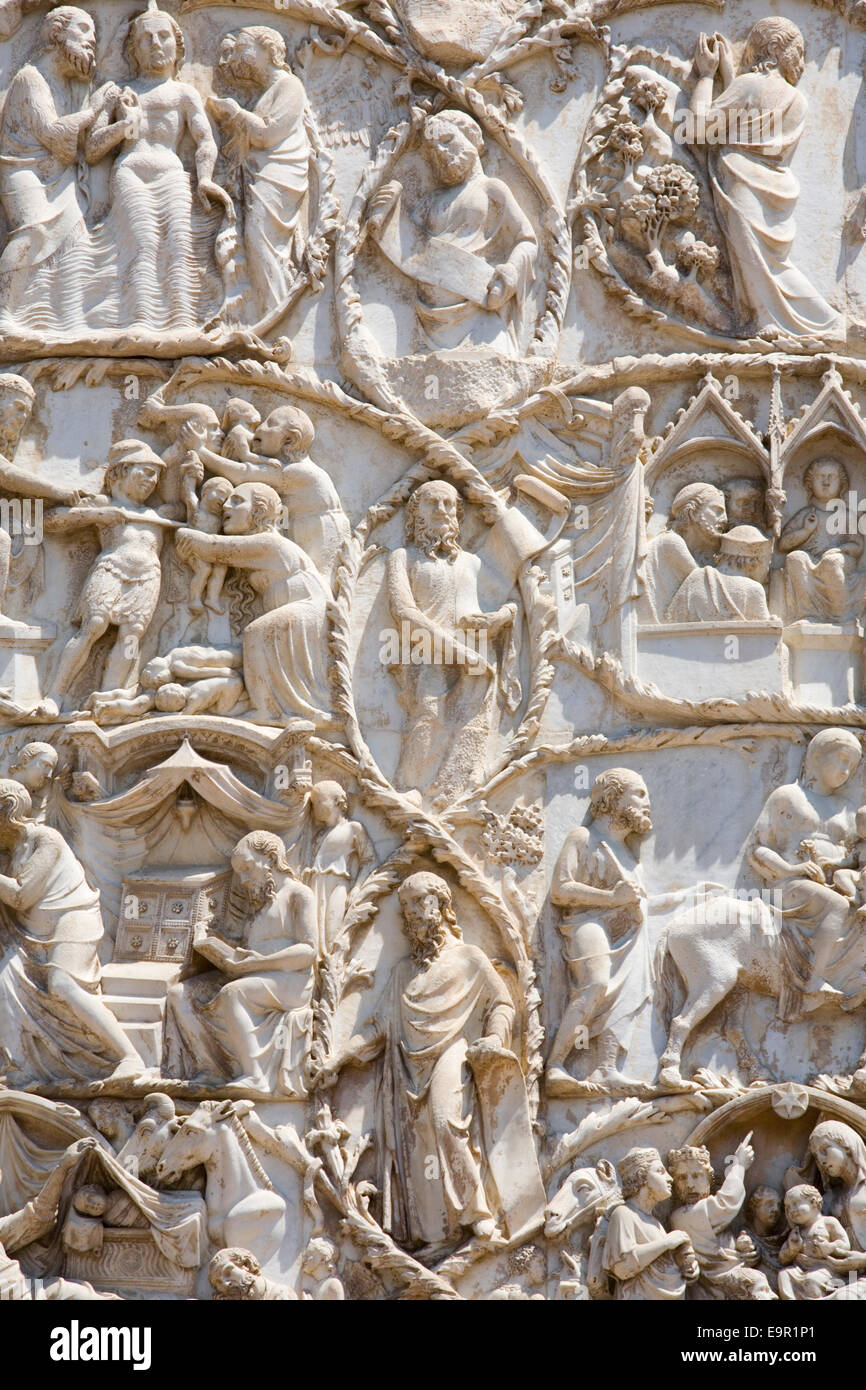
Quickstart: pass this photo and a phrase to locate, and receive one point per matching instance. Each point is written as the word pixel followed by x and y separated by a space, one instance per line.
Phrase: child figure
pixel 195 680
pixel 340 850
pixel 821 565
pixel 83 1229
pixel 207 516
pixel 319 1266
pixel 239 424
pixel 187 426
pixel 279 457
pixel 850 876
pixel 818 1248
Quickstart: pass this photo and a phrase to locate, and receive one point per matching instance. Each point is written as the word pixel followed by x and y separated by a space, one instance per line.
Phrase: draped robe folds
pixel 708 595
pixel 48 260
pixel 285 652
pixel 590 861
pixel 164 276
pixel 148 263
pixel 788 818
pixel 608 547
pixel 277 1002
pixel 628 1229
pixel 433 595
pixel 136 825
pixel 822 580
pixel 707 1224
pixel 451 247
pixel 317 521
pixel 808 906
pixel 607 552
pixel 275 169
pixel 847 1201
pixel 429 1104
pixel 339 855
pixel 667 563
pixel 42 1033
pixel 755 194
pixel 176 1220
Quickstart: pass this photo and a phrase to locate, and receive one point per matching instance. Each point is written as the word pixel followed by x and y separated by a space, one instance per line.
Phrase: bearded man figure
pixel 270 148
pixel 598 883
pixel 698 519
pixel 447 669
pixel 727 1263
pixel 255 1026
pixel 467 245
pixel 47 117
pixel 454 1140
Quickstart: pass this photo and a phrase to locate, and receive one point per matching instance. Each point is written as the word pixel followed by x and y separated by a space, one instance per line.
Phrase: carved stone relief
pixel 432 603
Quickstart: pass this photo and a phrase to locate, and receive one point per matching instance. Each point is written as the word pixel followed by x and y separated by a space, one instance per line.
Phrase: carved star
pixel 790 1101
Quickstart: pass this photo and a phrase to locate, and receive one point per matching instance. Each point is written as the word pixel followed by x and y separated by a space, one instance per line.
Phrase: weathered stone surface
pixel 432 601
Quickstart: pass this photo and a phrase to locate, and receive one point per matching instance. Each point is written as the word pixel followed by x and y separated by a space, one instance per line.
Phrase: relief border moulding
pixel 747 1107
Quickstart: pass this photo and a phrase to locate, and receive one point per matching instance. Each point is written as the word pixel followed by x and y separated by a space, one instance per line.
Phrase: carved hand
pixel 184 542
pixel 473 621
pixel 810 870
pixel 302 778
pixel 726 59
pixel 485 1047
pixel 502 286
pixel 210 193
pixel 684 1252
pixel 824 1247
pixel 745 1245
pixel 192 469
pixel 678 1239
pixel 131 111
pixel 706 56
pixel 223 109
pixel 626 894
pixel 74 1152
pixel 325 1079
pixel 105 96
pixel 192 436
pixel 381 204
pixel 503 617
pixel 217 952
pixel 745 1154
